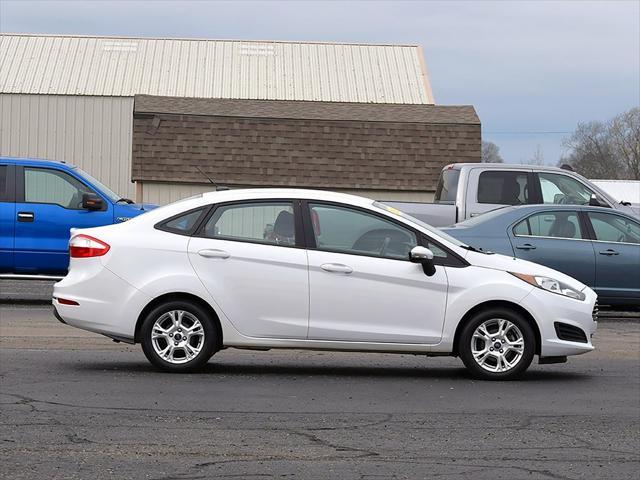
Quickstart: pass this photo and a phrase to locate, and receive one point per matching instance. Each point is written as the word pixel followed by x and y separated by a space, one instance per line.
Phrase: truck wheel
pixel 497 344
pixel 178 336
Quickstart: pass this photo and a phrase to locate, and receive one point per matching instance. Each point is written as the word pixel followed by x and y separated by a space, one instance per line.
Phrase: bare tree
pixel 491 153
pixel 538 157
pixel 606 149
pixel 624 132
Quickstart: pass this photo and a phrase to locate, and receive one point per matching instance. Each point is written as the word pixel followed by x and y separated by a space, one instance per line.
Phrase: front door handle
pixel 26 217
pixel 526 246
pixel 213 253
pixel 608 252
pixel 336 268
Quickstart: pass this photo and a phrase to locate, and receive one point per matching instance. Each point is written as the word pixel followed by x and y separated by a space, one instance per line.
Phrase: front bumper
pixel 549 308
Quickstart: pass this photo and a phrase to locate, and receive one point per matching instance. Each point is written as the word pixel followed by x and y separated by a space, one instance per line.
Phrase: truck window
pixel 563 189
pixel 447 188
pixel 45 185
pixel 503 188
pixel 4 183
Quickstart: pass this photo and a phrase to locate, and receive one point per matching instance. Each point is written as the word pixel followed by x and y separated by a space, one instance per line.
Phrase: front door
pixel 556 240
pixel 250 259
pixel 49 205
pixel 363 287
pixel 617 248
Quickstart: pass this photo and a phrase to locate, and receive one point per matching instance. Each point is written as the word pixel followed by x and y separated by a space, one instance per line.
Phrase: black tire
pixel 465 344
pixel 208 343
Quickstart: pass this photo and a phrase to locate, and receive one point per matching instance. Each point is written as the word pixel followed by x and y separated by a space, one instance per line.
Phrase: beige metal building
pixel 72 97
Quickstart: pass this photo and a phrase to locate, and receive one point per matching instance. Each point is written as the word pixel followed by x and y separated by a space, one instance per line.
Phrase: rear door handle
pixel 336 268
pixel 213 253
pixel 26 217
pixel 526 246
pixel 609 252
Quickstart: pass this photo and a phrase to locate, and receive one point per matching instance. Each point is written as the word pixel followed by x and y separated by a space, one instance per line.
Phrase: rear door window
pixel 447 188
pixel 503 187
pixel 4 183
pixel 264 222
pixel 563 224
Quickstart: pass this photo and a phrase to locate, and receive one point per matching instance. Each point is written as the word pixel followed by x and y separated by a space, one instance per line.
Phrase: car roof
pixel 275 193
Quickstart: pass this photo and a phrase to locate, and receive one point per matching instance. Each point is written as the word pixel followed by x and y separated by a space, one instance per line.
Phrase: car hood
pixel 126 211
pixel 511 264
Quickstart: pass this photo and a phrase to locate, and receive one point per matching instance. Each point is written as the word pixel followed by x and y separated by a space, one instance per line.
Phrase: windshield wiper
pixel 479 250
pixel 125 200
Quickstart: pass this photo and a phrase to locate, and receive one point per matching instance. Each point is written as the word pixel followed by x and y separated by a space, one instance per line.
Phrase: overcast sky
pixel 533 70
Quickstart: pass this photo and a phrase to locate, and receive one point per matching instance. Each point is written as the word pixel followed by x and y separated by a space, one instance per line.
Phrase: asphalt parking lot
pixel 76 405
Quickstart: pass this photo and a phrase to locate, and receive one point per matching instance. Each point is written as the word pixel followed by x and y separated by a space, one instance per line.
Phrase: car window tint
pixel 346 230
pixel 43 185
pixel 271 223
pixel 503 188
pixel 183 223
pixel 563 189
pixel 550 224
pixel 614 228
pixel 4 183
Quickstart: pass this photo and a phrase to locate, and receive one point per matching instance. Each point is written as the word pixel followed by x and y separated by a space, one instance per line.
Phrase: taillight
pixel 84 246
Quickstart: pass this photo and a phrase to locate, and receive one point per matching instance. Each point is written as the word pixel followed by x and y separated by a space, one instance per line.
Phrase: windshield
pixel 426 226
pixel 111 195
pixel 447 188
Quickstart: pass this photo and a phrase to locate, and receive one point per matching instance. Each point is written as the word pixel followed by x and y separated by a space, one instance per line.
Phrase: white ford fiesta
pixel 279 268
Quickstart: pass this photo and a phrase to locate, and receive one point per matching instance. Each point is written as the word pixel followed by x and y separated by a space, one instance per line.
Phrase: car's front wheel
pixel 497 344
pixel 178 336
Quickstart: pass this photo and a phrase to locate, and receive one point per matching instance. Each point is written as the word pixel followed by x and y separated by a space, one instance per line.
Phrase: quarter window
pixel 346 230
pixel 614 228
pixel 271 223
pixel 53 186
pixel 182 224
pixel 550 224
pixel 563 189
pixel 503 188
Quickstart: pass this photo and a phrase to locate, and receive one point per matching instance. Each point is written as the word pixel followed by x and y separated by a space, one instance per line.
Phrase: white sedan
pixel 282 268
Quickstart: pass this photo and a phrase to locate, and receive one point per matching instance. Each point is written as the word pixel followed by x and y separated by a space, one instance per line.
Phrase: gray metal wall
pixel 94 133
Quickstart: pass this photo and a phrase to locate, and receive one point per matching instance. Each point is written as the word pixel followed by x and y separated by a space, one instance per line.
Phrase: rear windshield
pixel 447 188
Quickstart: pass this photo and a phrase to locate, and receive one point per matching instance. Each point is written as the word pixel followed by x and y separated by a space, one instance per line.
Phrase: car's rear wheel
pixel 178 336
pixel 497 344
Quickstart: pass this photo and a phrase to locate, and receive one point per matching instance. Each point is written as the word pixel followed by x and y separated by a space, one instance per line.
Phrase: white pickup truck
pixel 465 190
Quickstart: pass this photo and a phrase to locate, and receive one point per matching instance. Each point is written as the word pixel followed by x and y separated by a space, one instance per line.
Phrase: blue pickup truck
pixel 40 201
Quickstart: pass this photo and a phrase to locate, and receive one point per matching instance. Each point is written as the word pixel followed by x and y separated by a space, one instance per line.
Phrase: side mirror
pixel 91 201
pixel 423 256
pixel 595 201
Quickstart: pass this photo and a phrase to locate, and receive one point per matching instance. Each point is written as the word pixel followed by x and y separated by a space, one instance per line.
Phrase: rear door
pixel 250 257
pixel 49 204
pixel 491 189
pixel 7 216
pixel 617 248
pixel 556 239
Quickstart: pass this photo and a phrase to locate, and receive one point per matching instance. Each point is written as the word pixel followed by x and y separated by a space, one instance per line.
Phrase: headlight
pixel 551 285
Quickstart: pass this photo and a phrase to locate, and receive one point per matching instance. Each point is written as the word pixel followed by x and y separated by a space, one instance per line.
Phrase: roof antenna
pixel 219 188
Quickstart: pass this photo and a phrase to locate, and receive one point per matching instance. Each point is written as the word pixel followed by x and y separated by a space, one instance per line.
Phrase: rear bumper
pixel 549 308
pixel 106 303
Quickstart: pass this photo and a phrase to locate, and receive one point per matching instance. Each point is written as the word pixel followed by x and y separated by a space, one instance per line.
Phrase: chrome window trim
pixel 553 238
pixel 619 243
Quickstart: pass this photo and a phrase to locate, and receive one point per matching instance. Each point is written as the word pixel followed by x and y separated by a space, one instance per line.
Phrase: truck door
pixel 489 189
pixel 48 205
pixel 7 216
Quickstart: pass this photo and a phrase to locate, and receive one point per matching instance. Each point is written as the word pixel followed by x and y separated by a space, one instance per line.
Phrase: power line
pixel 527 133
